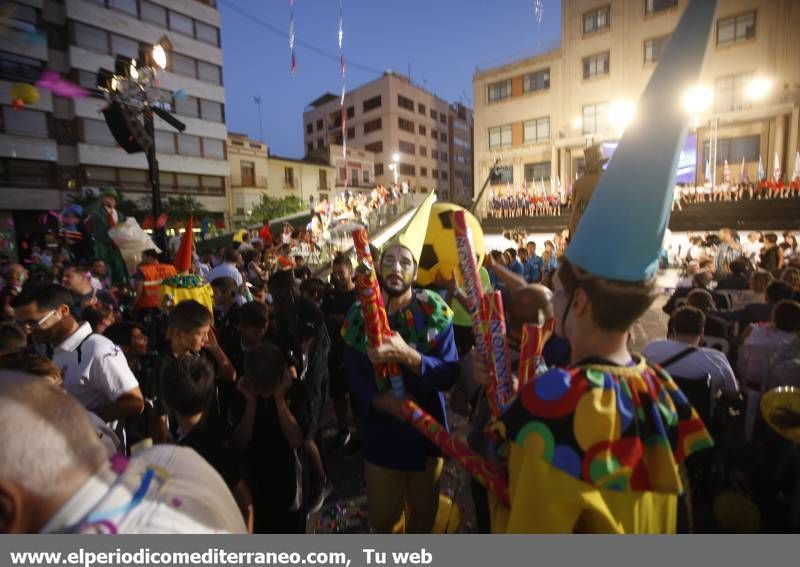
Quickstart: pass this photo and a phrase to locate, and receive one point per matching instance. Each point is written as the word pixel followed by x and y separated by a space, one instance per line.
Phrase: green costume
pixel 104 247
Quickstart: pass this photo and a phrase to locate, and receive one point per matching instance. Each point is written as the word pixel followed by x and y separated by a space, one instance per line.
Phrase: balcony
pixel 255 182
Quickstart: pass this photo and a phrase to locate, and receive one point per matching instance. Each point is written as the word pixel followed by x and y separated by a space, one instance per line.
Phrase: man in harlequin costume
pixel 402 468
pixel 102 216
pixel 596 446
pixel 185 285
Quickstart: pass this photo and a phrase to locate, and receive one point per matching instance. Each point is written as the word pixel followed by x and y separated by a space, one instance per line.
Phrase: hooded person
pixel 101 216
pixel 596 446
pixel 402 468
pixel 185 285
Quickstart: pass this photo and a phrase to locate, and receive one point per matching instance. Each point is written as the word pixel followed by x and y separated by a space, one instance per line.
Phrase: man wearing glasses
pixel 94 369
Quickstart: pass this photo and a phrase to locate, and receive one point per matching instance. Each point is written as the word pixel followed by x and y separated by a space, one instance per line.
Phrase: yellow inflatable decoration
pixel 448 516
pixel 439 254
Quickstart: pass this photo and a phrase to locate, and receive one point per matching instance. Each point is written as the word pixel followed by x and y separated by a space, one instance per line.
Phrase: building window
pixel 540 80
pixel 734 149
pixel 213 149
pixel 372 103
pixel 323 179
pixel 288 178
pixel 421 108
pixel 537 171
pixel 90 37
pixel 434 134
pixel 365 176
pixel 351 111
pixel 378 169
pixel 444 175
pixel 423 151
pixel 211 111
pixel 538 130
pixel 736 28
pixel 320 143
pixel 423 172
pixel 309 128
pixel 189 145
pixel 213 185
pixel 597 20
pixel 351 132
pixel 133 179
pixel 354 175
pixel 653 48
pixel 209 72
pixel 406 103
pixel 310 147
pixel 596 65
pixel 443 156
pixel 16 67
pixel 372 125
pixel 187 107
pixel 188 183
pixel 407 169
pixel 319 124
pixel 434 154
pixel 165 142
pixel 406 147
pixel 443 137
pixel 435 173
pixel 729 93
pixel 654 6
pixel 153 13
pixel 27 173
pixel 96 132
pixel 124 46
pixel 181 24
pixel 500 136
pixel 182 65
pixel 499 91
pixel 406 125
pixel 376 147
pixel 26 122
pixel 206 33
pixel 442 118
pixel 503 175
pixel 433 113
pixel 595 118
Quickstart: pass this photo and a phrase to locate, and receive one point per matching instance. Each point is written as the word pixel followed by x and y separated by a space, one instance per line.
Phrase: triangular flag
pixel 796 172
pixel 708 171
pixel 743 173
pixel 544 188
pixel 630 208
pixel 776 169
pixel 726 172
pixel 760 173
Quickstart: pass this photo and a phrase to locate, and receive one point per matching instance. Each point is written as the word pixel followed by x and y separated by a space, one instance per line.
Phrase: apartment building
pixel 254 172
pixel 536 115
pixel 60 146
pixel 391 117
pixel 460 132
pixel 355 169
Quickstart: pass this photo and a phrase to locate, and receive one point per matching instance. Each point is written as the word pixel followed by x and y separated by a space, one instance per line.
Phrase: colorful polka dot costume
pixel 615 428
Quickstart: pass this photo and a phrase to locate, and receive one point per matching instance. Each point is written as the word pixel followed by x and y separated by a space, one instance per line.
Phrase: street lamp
pixel 621 113
pixel 697 100
pixel 134 98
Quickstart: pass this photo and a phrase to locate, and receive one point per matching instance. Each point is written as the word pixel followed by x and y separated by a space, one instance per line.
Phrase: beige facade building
pixel 356 169
pixel 537 114
pixel 60 146
pixel 391 117
pixel 255 172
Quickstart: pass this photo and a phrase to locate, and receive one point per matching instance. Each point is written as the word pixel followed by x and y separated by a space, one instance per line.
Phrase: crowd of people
pixel 742 191
pixel 511 203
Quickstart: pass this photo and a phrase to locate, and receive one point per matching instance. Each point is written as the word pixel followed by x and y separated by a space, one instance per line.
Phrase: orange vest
pixel 153 274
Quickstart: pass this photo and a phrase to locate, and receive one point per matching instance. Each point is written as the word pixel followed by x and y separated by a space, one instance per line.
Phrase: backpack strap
pixel 678 356
pixel 80 344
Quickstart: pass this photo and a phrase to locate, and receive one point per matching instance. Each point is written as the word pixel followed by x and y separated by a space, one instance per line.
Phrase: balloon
pixel 180 94
pixel 22 94
pixel 439 252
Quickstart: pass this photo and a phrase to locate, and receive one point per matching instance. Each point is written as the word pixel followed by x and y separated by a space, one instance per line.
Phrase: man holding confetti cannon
pixel 399 341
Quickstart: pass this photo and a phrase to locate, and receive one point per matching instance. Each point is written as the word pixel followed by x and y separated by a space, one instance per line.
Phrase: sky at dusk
pixel 442 40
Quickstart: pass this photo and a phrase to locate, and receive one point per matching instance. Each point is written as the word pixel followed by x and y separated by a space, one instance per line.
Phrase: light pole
pixel 257 100
pixel 395 166
pixel 134 100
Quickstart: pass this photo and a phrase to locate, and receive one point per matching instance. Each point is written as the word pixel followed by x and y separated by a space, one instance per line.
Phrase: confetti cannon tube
pixel 494 479
pixel 530 351
pixel 500 389
pixel 376 323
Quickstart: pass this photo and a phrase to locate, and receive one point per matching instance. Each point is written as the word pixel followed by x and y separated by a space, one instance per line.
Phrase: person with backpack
pixel 95 369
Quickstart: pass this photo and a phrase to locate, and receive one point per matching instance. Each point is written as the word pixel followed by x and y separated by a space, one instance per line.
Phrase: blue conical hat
pixel 621 231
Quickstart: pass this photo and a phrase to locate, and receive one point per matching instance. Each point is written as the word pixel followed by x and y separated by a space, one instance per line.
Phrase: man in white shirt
pixel 94 369
pixel 696 362
pixel 55 476
pixel 228 268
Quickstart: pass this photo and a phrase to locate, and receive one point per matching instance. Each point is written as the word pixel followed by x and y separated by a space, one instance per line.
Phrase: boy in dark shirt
pixel 253 325
pixel 271 434
pixel 187 390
